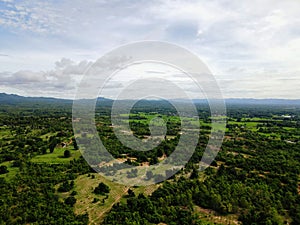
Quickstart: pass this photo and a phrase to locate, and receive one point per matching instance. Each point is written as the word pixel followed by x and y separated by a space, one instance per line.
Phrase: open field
pixel 84 186
pixel 57 156
pixel 216 218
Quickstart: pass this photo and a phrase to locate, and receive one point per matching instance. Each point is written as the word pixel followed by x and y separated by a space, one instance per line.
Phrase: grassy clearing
pixel 270 135
pixel 214 218
pixel 146 190
pixel 256 119
pixel 121 175
pixel 294 129
pixel 46 136
pixel 57 156
pixel 84 186
pixel 12 170
pixel 249 125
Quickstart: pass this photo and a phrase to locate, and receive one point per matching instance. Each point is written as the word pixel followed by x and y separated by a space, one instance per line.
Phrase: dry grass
pixel 84 186
pixel 213 217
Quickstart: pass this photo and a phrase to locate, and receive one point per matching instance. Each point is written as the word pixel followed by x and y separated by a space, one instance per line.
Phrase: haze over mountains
pixel 11 99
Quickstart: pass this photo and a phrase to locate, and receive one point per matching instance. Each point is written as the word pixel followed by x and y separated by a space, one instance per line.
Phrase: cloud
pixel 182 30
pixel 238 40
pixel 37 17
pixel 61 81
pixel 24 77
pixel 7 1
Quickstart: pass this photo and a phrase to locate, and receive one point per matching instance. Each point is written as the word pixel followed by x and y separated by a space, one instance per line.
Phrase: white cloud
pixel 59 82
pixel 35 16
pixel 239 40
pixel 10 1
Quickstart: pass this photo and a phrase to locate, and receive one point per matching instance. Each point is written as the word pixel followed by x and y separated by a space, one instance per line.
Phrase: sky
pixel 251 47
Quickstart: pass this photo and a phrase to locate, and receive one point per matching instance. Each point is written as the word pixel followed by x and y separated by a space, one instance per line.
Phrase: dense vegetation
pixel 254 179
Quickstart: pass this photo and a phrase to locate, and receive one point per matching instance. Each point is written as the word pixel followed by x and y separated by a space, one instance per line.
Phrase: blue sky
pixel 252 47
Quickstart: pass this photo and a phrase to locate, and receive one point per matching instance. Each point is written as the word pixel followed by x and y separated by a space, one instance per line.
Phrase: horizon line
pixel 229 98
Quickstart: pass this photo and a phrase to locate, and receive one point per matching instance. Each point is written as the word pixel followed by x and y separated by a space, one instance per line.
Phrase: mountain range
pixel 12 99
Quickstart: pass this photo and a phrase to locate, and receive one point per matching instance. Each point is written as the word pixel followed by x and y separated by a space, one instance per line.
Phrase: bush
pixel 66 186
pixel 70 201
pixel 67 153
pixel 102 189
pixel 3 169
pixel 95 200
pixel 74 193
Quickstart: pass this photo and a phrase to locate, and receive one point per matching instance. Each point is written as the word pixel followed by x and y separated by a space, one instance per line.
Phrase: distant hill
pixel 249 101
pixel 263 101
pixel 12 99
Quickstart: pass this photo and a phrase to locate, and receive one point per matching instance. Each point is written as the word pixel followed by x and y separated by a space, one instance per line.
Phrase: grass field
pixel 84 186
pixel 249 125
pixel 46 136
pixel 214 218
pixel 57 156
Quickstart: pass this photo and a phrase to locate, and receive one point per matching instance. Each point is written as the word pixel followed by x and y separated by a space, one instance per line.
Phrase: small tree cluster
pixel 102 189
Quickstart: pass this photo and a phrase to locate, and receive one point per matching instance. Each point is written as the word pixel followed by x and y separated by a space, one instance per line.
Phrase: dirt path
pixel 100 217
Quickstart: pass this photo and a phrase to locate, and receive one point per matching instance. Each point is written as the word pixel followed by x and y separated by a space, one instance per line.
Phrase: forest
pixel 45 180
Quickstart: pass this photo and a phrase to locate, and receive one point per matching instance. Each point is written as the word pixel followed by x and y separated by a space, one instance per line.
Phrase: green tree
pixel 102 189
pixel 194 174
pixel 3 169
pixel 75 144
pixel 130 193
pixel 67 153
pixel 71 200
